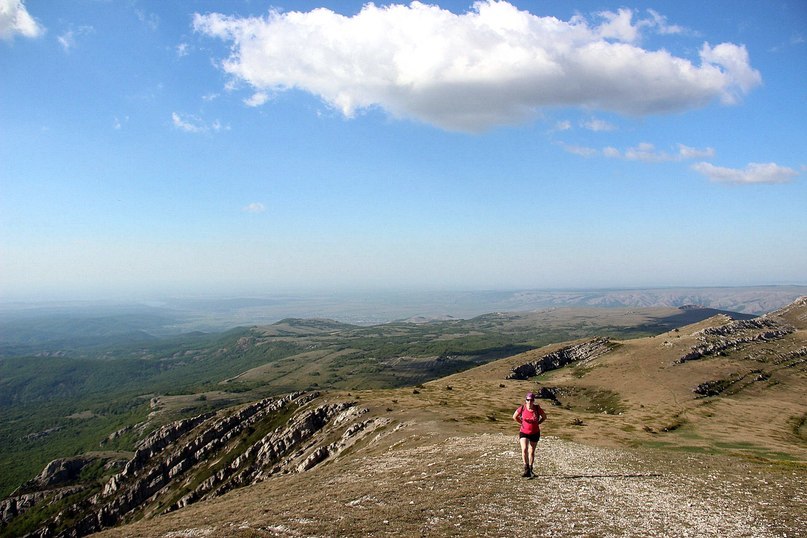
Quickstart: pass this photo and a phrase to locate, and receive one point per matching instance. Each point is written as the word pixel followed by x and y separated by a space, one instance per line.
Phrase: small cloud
pixel 659 22
pixel 563 125
pixel 794 41
pixel 15 19
pixel 218 126
pixel 151 20
pixel 183 49
pixel 254 207
pixel 210 96
pixel 647 152
pixel 582 151
pixel 68 39
pixel 257 99
pixel 117 124
pixel 190 124
pixel 753 173
pixel 194 124
pixel 597 125
pixel 686 152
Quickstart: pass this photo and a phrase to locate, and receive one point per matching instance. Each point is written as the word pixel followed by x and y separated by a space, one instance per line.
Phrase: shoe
pixel 532 474
pixel 526 473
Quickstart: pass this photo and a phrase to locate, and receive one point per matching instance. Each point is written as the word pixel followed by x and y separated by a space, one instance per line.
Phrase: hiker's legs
pixel 525 447
pixel 530 453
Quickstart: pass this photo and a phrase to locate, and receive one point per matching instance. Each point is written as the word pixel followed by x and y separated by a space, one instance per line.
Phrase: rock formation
pixel 196 458
pixel 733 335
pixel 566 355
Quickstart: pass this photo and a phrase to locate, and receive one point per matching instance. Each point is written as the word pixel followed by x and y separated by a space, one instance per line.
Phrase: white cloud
pixel 190 124
pixel 686 152
pixel 582 151
pixel 183 49
pixel 194 124
pixel 731 60
pixel 659 22
pixel 150 20
pixel 563 125
pixel 257 99
pixel 15 19
pixel 255 207
pixel 619 26
pixel 117 124
pixel 753 173
pixel 598 125
pixel 68 39
pixel 490 66
pixel 647 152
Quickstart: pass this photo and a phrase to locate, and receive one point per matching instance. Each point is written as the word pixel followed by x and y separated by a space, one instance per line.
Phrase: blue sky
pixel 256 147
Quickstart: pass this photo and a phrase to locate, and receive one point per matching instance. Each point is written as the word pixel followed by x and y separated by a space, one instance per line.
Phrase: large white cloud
pixel 15 19
pixel 492 65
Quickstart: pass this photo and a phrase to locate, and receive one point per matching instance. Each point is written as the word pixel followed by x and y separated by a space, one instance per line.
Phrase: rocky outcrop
pixel 18 504
pixel 733 335
pixel 59 471
pixel 793 358
pixel 59 479
pixel 270 455
pixel 731 384
pixel 793 314
pixel 566 355
pixel 200 458
pixel 549 393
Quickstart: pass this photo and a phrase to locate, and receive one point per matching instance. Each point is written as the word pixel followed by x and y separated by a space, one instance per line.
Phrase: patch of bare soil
pixel 434 485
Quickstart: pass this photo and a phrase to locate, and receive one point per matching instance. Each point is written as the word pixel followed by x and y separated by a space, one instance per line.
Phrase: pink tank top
pixel 529 420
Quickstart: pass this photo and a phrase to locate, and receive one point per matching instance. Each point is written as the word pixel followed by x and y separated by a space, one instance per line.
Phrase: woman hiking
pixel 530 416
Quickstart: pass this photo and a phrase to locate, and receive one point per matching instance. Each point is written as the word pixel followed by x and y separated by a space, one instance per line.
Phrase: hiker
pixel 529 415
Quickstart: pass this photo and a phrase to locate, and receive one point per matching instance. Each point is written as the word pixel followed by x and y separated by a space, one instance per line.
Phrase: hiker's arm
pixel 541 415
pixel 517 415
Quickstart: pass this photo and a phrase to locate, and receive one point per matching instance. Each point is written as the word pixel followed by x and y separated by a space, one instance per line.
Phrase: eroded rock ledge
pixel 732 335
pixel 563 356
pixel 194 459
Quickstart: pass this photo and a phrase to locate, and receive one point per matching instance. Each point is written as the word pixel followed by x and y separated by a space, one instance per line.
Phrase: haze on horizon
pixel 232 147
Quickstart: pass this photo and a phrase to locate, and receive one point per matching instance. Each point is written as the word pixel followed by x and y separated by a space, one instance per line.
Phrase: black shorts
pixel 533 437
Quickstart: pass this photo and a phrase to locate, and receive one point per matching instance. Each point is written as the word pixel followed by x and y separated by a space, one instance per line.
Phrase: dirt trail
pixel 470 486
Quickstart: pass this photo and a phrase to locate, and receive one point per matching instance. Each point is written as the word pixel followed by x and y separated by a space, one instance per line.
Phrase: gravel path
pixel 579 491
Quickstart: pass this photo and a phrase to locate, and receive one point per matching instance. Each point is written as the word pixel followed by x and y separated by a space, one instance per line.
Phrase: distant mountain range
pixel 214 314
pixel 750 300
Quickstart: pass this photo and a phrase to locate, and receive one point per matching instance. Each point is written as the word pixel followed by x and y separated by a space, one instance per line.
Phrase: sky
pixel 155 148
